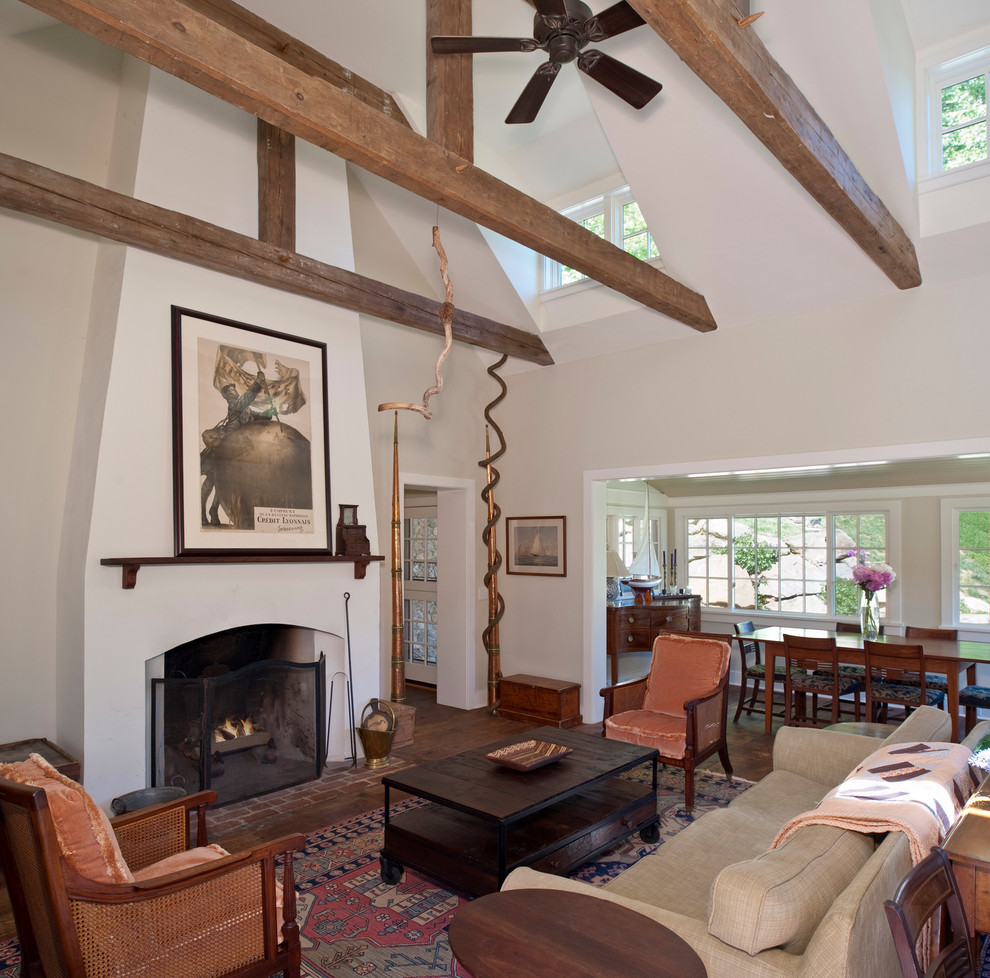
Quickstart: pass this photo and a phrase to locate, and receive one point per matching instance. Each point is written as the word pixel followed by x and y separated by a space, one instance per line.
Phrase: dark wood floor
pixel 439 732
pixel 442 730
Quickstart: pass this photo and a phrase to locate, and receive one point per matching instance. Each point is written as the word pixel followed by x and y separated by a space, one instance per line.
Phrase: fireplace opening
pixel 239 713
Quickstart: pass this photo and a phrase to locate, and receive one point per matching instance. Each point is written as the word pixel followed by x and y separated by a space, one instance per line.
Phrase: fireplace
pixel 241 712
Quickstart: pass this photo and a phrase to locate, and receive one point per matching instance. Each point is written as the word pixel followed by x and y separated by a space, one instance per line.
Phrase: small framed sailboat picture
pixel 536 545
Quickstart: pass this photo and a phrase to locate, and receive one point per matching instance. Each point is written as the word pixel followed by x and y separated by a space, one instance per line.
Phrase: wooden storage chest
pixel 536 700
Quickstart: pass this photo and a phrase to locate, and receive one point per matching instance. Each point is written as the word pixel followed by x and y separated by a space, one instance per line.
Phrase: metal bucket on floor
pixel 133 800
pixel 376 731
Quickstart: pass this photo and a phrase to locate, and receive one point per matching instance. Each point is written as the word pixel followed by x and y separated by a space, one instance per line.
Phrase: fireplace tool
pixel 350 679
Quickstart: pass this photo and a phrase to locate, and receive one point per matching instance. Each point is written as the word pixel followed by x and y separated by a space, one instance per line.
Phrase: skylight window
pixel 615 216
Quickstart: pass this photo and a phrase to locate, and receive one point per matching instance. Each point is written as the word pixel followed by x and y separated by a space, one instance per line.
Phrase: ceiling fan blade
pixel 618 19
pixel 630 85
pixel 534 94
pixel 473 45
pixel 550 8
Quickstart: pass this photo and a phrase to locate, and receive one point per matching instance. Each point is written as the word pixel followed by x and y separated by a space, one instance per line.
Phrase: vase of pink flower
pixel 871 579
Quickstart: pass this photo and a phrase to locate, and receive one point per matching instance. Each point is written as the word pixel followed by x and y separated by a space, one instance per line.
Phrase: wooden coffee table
pixel 538 933
pixel 484 820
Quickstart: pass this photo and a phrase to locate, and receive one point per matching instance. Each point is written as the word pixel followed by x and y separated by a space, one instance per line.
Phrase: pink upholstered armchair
pixel 680 706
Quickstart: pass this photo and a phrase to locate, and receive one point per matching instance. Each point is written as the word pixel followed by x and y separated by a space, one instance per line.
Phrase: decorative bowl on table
pixel 528 755
pixel 642 587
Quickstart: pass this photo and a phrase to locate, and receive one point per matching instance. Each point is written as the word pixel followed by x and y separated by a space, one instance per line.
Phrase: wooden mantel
pixel 131 565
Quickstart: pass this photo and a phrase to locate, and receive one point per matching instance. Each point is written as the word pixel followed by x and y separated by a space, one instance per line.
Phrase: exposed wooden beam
pixel 735 65
pixel 188 44
pixel 298 54
pixel 35 190
pixel 276 186
pixel 449 80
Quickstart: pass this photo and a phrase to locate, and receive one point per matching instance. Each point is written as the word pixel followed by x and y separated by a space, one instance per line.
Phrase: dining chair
pixel 974 698
pixel 929 895
pixel 812 668
pixel 752 670
pixel 886 666
pixel 933 680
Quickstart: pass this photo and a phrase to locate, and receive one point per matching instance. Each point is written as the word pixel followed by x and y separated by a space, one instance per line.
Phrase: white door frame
pixel 457 642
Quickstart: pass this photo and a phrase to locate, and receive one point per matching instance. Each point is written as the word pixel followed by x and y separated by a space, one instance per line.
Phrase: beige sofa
pixel 809 909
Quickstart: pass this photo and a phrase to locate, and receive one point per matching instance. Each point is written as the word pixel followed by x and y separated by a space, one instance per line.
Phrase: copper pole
pixel 496 603
pixel 494 611
pixel 398 653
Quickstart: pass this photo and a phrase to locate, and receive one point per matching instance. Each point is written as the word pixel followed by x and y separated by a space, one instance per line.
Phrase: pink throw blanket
pixel 918 789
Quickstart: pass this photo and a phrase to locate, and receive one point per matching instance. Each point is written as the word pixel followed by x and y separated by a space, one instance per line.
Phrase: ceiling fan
pixel 563 28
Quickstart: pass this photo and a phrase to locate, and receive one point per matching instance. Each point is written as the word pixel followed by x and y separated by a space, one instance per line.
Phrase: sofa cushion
pixel 697 854
pixel 82 828
pixel 779 898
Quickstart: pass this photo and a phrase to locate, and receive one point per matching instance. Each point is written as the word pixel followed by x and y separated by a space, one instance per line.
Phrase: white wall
pixel 870 378
pixel 46 285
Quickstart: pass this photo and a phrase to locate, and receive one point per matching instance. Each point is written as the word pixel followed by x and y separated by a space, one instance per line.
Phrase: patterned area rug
pixel 354 924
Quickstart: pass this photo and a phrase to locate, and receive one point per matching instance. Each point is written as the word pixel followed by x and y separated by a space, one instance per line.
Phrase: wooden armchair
pixel 927 902
pixel 679 707
pixel 94 898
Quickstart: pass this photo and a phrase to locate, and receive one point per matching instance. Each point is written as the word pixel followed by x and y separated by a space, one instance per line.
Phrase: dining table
pixel 945 656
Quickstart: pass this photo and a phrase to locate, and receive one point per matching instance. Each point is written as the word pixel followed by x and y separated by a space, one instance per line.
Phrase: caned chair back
pixel 929 895
pixel 29 849
pixel 915 631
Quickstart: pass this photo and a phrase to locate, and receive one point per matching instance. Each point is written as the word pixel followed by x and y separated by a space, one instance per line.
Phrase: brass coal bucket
pixel 377 729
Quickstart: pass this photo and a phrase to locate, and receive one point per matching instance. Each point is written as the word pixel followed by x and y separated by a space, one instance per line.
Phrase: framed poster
pixel 536 545
pixel 251 451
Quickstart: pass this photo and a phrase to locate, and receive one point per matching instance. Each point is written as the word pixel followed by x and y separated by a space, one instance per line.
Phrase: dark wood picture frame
pixel 251 459
pixel 536 545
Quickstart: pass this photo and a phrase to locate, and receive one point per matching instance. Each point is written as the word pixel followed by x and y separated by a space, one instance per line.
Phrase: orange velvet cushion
pixel 648 729
pixel 81 826
pixel 683 669
pixel 179 861
pixel 186 860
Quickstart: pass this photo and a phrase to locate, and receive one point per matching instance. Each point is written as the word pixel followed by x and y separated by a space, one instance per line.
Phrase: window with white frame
pixel 614 216
pixel 957 123
pixel 789 564
pixel 969 538
pixel 419 574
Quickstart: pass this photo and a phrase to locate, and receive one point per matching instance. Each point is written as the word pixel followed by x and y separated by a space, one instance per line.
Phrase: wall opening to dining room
pixel 917 477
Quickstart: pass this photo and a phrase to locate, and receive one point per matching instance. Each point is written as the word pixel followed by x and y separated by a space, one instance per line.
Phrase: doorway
pixel 420 610
pixel 459 652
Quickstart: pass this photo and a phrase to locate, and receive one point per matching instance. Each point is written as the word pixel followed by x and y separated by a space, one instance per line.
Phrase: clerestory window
pixel 615 216
pixel 957 126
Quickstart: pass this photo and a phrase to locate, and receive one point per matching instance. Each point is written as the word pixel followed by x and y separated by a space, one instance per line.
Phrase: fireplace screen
pixel 241 732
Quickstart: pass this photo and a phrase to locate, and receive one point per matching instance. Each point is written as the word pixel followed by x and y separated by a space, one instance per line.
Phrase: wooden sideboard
pixel 632 627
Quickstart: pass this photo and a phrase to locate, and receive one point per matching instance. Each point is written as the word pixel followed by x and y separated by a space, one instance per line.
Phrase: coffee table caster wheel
pixel 391 871
pixel 651 833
